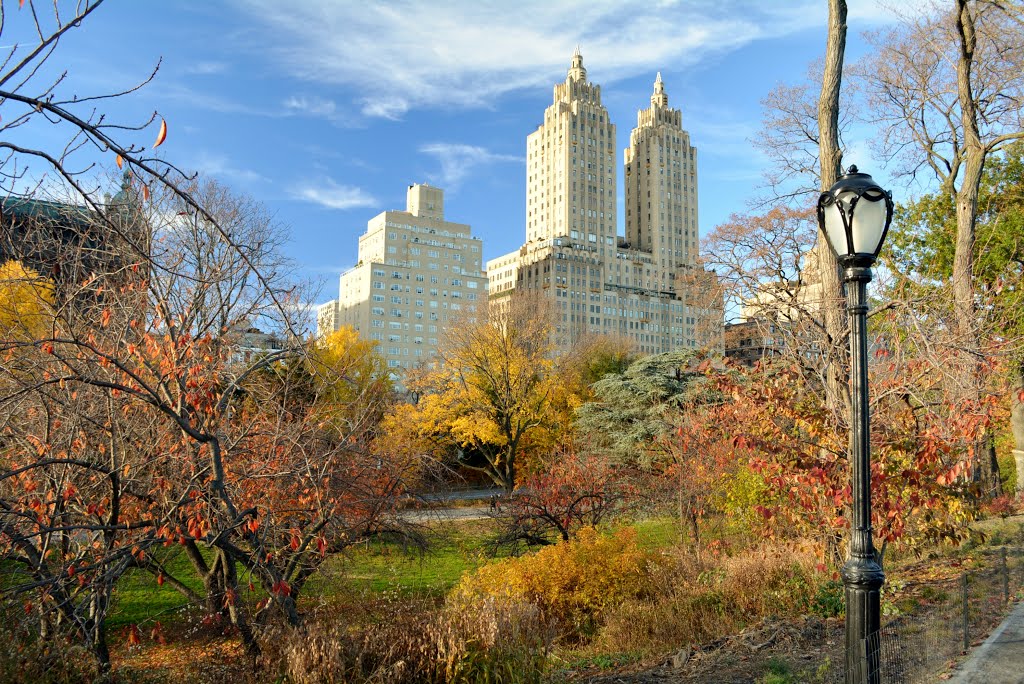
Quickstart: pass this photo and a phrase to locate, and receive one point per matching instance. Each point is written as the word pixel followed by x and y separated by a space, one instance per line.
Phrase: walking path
pixel 1000 659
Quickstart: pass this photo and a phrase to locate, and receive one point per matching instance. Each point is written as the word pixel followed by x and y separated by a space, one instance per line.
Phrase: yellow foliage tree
pixel 490 391
pixel 26 303
pixel 351 378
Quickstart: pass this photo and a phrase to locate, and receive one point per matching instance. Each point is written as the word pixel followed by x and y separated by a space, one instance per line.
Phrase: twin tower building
pixel 418 272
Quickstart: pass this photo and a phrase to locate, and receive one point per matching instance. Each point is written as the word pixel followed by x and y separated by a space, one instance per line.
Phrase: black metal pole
pixel 862 576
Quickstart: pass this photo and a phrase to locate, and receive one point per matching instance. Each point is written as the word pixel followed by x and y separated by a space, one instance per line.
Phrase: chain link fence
pixel 949 617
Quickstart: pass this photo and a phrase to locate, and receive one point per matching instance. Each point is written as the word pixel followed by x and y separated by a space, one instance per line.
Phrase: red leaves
pixel 160 579
pixel 281 588
pixel 134 636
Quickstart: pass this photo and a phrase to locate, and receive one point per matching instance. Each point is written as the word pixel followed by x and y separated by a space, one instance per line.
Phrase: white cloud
pixel 466 54
pixel 458 160
pixel 206 68
pixel 316 106
pixel 332 195
pixel 219 166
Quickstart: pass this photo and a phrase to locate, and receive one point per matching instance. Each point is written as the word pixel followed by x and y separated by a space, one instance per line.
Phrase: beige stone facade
pixel 648 287
pixel 416 273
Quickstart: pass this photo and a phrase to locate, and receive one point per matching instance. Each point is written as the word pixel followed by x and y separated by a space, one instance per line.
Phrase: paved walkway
pixel 1000 660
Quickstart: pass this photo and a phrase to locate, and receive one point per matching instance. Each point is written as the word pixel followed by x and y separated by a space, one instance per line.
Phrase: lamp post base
pixel 863 579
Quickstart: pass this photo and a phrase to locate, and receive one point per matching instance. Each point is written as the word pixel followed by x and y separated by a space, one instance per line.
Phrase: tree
pixel 129 421
pixel 949 89
pixel 490 391
pixel 26 302
pixel 134 422
pixel 922 255
pixel 570 493
pixel 635 410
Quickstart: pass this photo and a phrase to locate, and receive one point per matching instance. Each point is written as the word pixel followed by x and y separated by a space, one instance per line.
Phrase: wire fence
pixel 949 616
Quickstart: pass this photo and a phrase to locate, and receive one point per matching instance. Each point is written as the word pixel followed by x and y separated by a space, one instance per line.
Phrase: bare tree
pixel 949 89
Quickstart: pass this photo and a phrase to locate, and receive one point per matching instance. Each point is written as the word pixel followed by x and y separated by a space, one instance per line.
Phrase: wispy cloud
pixel 219 166
pixel 466 53
pixel 330 194
pixel 318 107
pixel 212 102
pixel 206 68
pixel 458 160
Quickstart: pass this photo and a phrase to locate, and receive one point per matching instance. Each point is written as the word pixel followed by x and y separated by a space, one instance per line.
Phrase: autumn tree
pixel 949 90
pixel 490 391
pixel 921 258
pixel 568 493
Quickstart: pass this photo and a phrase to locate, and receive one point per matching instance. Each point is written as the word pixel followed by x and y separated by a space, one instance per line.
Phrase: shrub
pixel 696 603
pixel 573 583
pixel 27 657
pixel 829 600
pixel 492 641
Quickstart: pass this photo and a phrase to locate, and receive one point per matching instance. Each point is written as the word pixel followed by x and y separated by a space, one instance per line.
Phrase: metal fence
pixel 916 645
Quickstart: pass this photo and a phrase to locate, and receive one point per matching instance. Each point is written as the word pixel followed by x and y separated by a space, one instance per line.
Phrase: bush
pixel 830 600
pixel 26 657
pixel 573 582
pixel 696 603
pixel 492 641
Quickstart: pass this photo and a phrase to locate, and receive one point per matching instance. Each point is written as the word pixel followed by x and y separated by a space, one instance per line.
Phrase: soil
pixel 799 647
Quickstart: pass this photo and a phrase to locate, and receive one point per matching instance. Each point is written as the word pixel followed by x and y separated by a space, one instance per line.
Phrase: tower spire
pixel 576 71
pixel 659 97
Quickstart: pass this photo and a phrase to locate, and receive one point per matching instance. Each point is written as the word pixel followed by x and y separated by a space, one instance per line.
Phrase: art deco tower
pixel 661 184
pixel 647 287
pixel 570 165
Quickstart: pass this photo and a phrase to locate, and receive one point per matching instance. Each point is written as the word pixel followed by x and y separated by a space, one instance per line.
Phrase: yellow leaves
pixel 26 302
pixel 574 581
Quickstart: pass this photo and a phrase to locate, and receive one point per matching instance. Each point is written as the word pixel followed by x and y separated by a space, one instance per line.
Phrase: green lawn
pixel 138 599
pixel 376 567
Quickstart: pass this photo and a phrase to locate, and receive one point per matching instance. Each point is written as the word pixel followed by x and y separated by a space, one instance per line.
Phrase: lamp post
pixel 854 214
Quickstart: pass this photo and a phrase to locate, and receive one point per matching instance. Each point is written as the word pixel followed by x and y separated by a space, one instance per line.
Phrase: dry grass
pixel 696 602
pixel 490 641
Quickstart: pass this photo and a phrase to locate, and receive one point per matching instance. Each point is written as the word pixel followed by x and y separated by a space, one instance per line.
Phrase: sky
pixel 326 110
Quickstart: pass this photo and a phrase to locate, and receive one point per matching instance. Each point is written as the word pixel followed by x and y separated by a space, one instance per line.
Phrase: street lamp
pixel 854 214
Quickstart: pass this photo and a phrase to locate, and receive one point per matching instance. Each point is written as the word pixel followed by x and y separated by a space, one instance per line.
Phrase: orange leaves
pixel 119 161
pixel 134 636
pixel 160 579
pixel 161 134
pixel 281 588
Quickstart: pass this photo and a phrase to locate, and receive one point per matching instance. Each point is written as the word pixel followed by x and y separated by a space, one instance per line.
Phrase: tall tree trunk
pixel 1017 424
pixel 831 160
pixel 965 313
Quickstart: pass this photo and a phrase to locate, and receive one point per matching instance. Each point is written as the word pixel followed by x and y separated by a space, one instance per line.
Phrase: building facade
pixel 416 273
pixel 647 287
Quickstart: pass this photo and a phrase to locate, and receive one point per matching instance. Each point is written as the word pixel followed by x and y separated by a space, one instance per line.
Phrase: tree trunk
pixel 1017 425
pixel 965 313
pixel 837 392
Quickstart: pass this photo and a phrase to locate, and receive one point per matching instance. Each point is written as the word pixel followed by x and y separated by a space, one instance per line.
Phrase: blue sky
pixel 325 110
